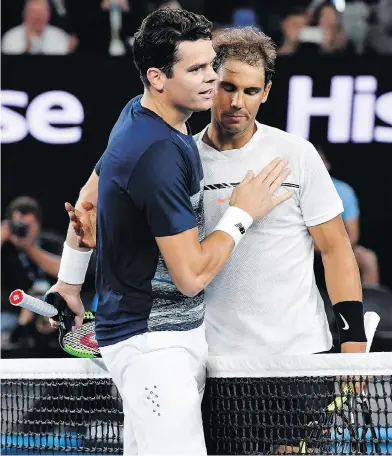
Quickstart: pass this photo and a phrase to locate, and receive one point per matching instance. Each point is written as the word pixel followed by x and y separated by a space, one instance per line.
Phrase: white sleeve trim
pixel 332 213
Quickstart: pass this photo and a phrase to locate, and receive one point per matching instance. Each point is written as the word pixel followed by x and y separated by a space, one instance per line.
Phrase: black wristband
pixel 349 318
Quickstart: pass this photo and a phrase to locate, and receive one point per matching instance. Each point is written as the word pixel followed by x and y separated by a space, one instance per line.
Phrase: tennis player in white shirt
pixel 265 300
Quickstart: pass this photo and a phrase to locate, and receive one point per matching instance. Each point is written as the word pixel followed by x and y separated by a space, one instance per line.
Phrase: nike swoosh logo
pixel 346 325
pixel 223 200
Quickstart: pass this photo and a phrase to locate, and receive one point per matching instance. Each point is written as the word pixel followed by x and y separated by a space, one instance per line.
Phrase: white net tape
pixel 218 366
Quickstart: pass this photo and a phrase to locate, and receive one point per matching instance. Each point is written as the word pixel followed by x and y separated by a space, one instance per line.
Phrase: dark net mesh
pixel 307 415
pixel 60 416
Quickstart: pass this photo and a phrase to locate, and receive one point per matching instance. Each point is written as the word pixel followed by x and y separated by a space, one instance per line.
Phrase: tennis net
pixel 309 404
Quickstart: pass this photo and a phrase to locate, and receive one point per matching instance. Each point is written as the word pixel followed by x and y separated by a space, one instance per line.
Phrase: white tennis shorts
pixel 161 377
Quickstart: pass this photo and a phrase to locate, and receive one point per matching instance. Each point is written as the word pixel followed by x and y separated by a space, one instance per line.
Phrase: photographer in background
pixel 30 260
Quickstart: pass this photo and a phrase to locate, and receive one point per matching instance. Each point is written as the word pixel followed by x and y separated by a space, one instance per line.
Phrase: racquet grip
pixel 371 320
pixel 19 298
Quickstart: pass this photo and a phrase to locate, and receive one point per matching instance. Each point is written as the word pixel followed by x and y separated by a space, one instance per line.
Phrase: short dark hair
pixel 25 205
pixel 156 41
pixel 248 45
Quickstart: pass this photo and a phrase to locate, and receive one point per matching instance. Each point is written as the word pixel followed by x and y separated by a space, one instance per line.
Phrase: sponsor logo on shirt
pixel 223 200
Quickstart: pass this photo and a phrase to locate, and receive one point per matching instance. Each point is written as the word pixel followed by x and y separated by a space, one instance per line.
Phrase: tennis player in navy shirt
pixel 150 186
pixel 153 259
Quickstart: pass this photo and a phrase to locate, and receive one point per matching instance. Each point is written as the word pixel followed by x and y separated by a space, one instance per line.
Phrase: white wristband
pixel 73 266
pixel 235 221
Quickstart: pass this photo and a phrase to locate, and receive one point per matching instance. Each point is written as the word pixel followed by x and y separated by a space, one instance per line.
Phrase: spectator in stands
pixel 366 258
pixel 30 260
pixel 333 37
pixel 291 26
pixel 35 35
pixel 380 36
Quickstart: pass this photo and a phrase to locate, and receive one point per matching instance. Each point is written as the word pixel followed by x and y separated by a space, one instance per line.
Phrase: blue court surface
pixel 35 444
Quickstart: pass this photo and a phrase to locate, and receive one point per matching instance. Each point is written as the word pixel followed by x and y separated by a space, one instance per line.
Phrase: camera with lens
pixel 19 229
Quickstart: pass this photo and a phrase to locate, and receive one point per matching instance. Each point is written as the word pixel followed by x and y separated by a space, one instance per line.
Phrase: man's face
pixel 30 220
pixel 191 88
pixel 36 16
pixel 239 95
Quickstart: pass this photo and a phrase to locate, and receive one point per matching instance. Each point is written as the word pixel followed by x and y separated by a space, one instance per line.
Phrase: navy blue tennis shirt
pixel 150 185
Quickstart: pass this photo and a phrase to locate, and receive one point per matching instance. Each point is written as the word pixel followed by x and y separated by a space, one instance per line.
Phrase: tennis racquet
pixel 338 429
pixel 81 342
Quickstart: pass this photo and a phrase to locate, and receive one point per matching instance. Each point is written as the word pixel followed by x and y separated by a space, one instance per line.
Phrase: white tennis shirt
pixel 265 300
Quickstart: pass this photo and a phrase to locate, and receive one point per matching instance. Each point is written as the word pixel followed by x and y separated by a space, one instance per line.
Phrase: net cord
pixel 218 366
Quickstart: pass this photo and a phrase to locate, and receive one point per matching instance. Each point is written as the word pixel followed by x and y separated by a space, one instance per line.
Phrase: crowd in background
pixel 107 26
pixel 31 257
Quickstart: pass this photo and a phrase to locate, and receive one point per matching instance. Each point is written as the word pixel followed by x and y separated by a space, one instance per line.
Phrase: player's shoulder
pixel 137 128
pixel 293 144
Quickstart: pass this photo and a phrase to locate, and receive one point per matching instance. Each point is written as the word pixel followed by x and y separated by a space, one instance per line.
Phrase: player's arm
pixel 75 259
pixel 193 264
pixel 321 208
pixel 82 227
pixel 352 228
pixel 159 186
pixel 343 281
pixel 341 269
